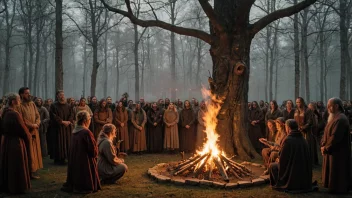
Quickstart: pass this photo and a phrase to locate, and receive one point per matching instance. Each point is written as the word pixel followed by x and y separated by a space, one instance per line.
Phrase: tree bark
pixel 173 51
pixel 136 65
pixel 305 53
pixel 296 50
pixel 106 65
pixel 46 77
pixel 59 83
pixel 344 49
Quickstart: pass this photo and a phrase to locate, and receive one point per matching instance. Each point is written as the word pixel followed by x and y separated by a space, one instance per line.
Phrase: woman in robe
pixel 273 113
pixel 82 170
pixel 110 167
pixel 305 120
pixel 139 118
pixel 155 120
pixel 82 106
pixel 102 116
pixel 120 116
pixel 14 151
pixel 187 132
pixel 171 139
pixel 289 112
pixel 256 117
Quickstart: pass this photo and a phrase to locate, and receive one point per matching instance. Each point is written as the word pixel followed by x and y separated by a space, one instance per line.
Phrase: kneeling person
pixel 110 167
pixel 293 172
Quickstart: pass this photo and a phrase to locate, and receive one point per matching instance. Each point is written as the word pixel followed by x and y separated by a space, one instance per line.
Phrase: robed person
pixel 44 122
pixel 336 150
pixel 289 112
pixel 82 170
pixel 110 166
pixel 31 118
pixel 293 172
pixel 15 155
pixel 139 119
pixel 171 117
pixel 93 105
pixel 272 114
pixel 187 132
pixel 255 117
pixel 120 120
pixel 102 116
pixel 155 128
pixel 61 119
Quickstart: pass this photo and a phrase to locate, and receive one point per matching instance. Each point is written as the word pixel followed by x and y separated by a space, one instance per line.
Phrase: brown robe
pixel 101 117
pixel 80 108
pixel 336 170
pixel 139 118
pixel 44 122
pixel 187 136
pixel 110 167
pixel 14 155
pixel 201 133
pixel 255 131
pixel 171 140
pixel 305 121
pixel 130 128
pixel 59 133
pixel 82 170
pixel 121 116
pixel 31 116
pixel 294 170
pixel 155 138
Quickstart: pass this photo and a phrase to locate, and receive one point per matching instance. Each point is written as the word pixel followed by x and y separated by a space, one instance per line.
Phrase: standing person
pixel 139 118
pixel 61 120
pixel 120 120
pixel 82 106
pixel 336 150
pixel 201 133
pixel 102 116
pixel 167 103
pixel 130 125
pixel 44 122
pixel 48 103
pixel 155 138
pixel 110 104
pixel 289 112
pixel 293 172
pixel 93 105
pixel 272 113
pixel 304 118
pixel 82 171
pixel 31 118
pixel 318 126
pixel 255 118
pixel 15 155
pixel 110 167
pixel 171 139
pixel 187 132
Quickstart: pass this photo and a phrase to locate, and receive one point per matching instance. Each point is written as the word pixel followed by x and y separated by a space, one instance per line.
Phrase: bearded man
pixel 44 122
pixel 336 150
pixel 31 118
pixel 61 119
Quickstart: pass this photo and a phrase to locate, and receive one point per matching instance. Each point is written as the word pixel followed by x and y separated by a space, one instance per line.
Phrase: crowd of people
pixel 92 137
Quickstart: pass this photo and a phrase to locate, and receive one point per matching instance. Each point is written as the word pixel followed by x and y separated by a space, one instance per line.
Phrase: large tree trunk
pixel 230 55
pixel 117 70
pixel 37 57
pixel 93 80
pixel 59 73
pixel 106 65
pixel 344 48
pixel 296 51
pixel 305 53
pixel 136 67
pixel 199 61
pixel 46 77
pixel 321 61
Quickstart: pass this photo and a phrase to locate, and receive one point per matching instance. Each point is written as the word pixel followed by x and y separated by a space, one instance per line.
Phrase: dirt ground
pixel 137 184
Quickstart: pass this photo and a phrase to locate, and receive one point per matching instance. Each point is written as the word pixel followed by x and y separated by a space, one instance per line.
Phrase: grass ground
pixel 137 184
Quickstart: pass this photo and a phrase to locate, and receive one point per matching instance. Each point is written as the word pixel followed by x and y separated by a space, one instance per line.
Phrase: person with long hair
pixel 82 170
pixel 102 116
pixel 139 119
pixel 289 112
pixel 272 114
pixel 120 120
pixel 187 132
pixel 171 117
pixel 305 120
pixel 110 166
pixel 255 117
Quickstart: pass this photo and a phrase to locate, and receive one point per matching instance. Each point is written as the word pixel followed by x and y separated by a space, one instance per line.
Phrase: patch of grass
pixel 136 183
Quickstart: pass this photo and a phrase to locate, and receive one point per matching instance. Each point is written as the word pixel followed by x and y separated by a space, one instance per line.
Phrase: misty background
pixel 27 50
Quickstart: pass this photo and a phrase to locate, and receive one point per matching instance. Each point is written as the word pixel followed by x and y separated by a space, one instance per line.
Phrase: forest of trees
pixel 103 53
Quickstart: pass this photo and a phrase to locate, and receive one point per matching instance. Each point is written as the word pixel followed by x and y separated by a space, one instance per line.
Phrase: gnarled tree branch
pixel 211 15
pixel 263 22
pixel 161 24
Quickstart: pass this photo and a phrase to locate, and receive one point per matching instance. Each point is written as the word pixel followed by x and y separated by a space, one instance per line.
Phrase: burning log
pixel 190 160
pixel 200 169
pixel 190 165
pixel 221 169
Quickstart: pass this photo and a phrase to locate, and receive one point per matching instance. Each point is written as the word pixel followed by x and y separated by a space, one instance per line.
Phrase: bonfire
pixel 211 158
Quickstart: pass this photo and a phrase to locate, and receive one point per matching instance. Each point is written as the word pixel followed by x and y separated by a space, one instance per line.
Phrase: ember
pixel 211 158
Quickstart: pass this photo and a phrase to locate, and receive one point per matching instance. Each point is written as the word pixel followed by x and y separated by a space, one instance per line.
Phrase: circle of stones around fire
pixel 263 179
